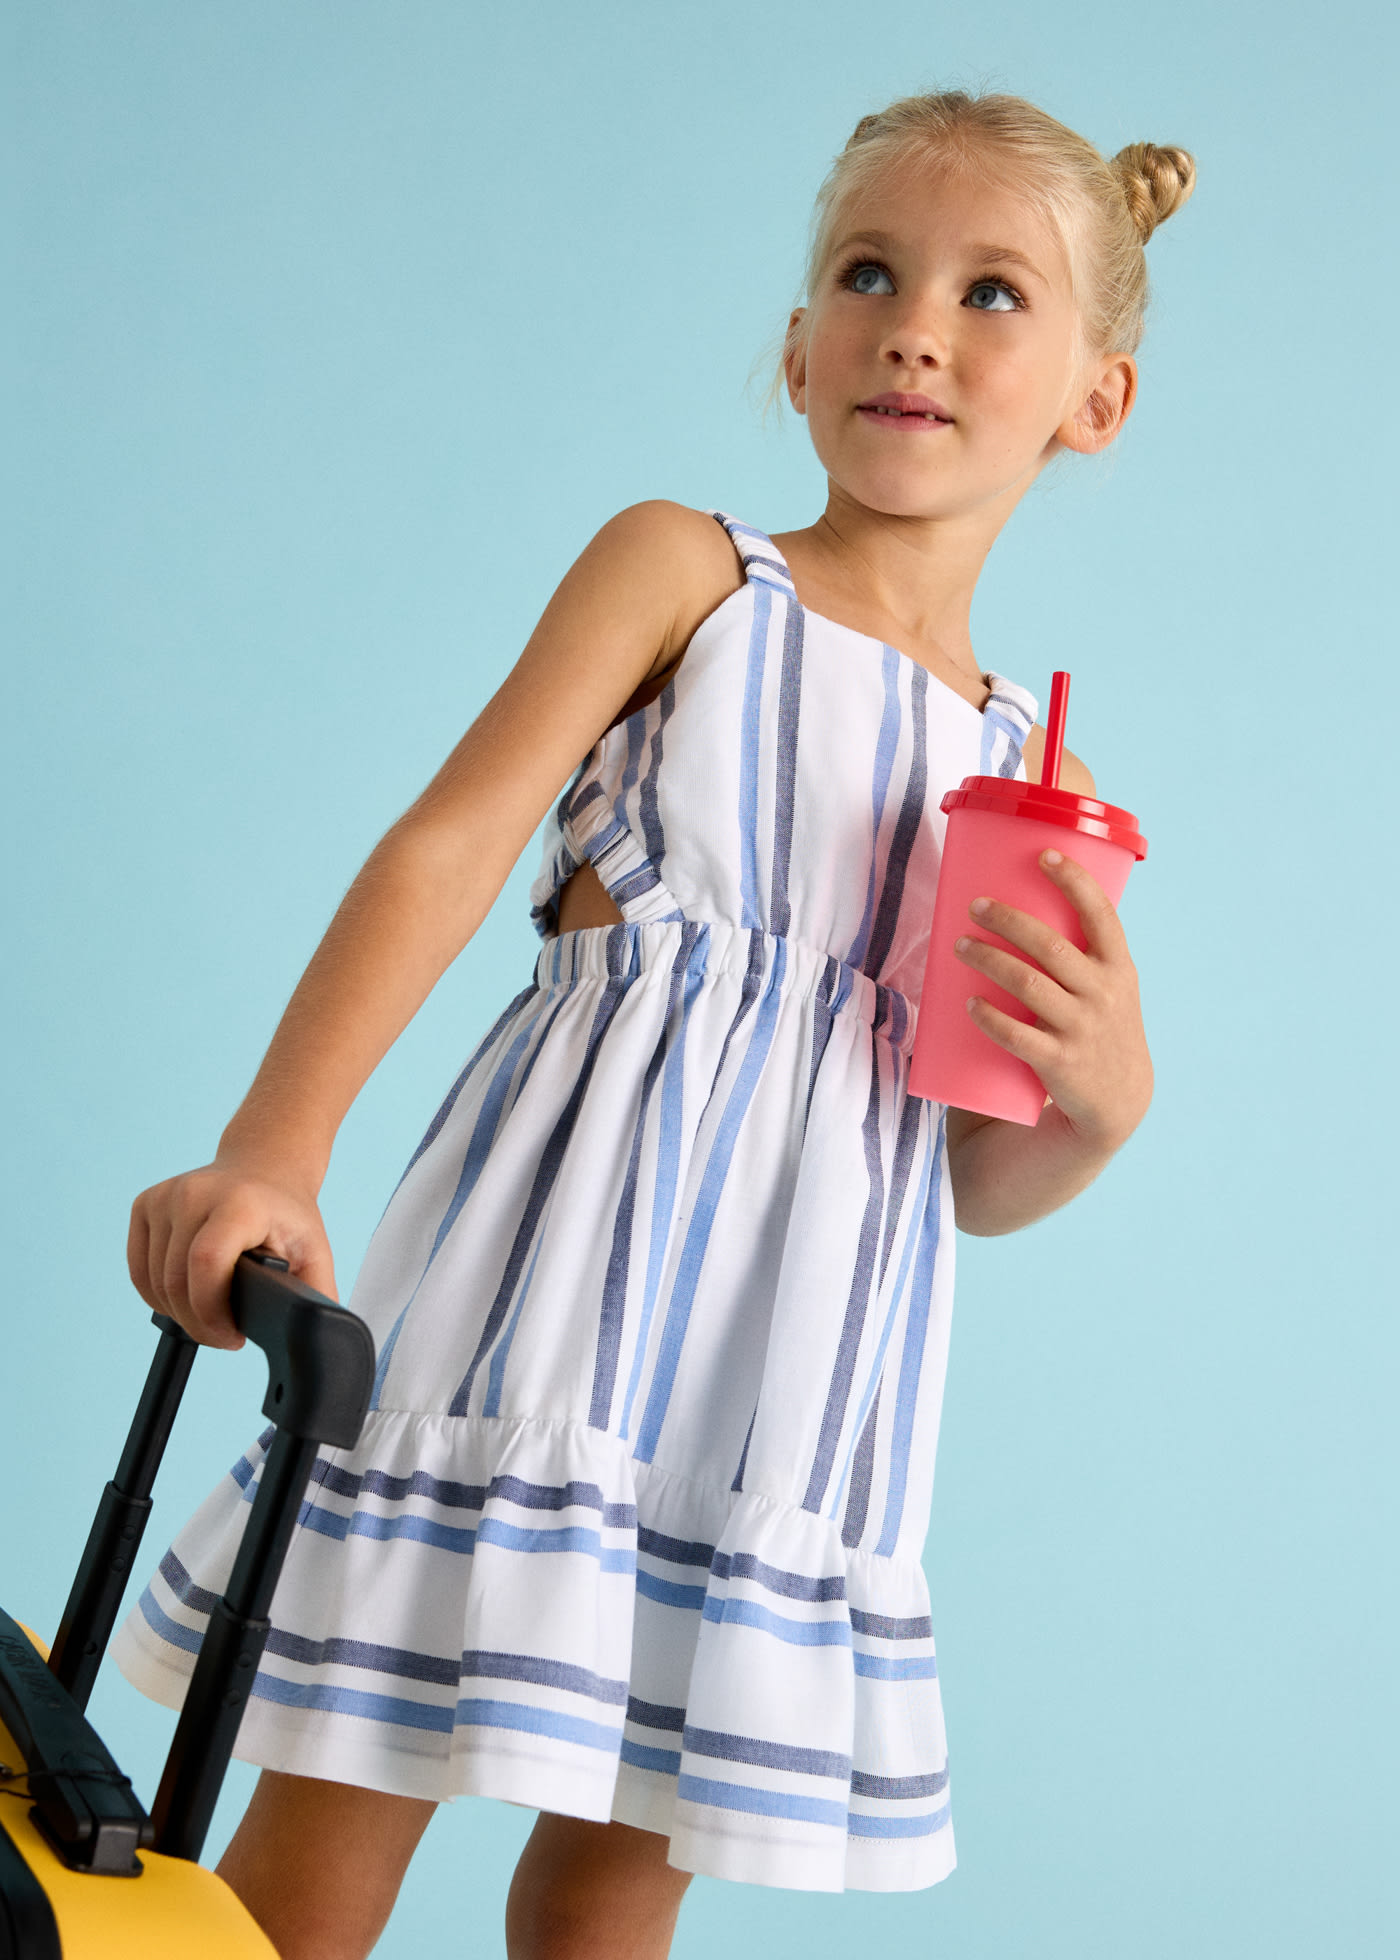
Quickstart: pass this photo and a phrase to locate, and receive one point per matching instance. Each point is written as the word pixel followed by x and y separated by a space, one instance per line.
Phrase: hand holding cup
pixel 1086 1043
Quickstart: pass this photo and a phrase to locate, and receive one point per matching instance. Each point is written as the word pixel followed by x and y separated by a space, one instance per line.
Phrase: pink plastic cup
pixel 997 828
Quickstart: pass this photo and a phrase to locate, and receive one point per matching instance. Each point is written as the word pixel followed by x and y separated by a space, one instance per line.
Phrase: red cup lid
pixel 1010 798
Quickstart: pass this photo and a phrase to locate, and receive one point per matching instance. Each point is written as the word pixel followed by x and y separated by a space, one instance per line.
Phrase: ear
pixel 795 362
pixel 1104 409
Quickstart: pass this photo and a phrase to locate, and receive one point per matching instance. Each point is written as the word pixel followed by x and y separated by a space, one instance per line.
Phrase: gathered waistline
pixel 712 946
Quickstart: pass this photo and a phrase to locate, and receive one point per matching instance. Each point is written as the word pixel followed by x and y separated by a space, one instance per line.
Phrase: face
pixel 950 290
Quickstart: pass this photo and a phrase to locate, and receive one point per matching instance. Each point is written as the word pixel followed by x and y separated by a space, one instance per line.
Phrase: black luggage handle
pixel 320 1372
pixel 320 1376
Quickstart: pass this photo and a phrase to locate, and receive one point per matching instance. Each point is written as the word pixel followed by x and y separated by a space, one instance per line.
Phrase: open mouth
pixel 907 418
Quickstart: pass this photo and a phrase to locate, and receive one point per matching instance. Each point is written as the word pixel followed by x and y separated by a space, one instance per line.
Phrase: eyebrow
pixel 1005 253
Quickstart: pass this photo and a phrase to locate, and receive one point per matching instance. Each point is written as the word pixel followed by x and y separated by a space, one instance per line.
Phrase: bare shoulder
pixel 694 561
pixel 1074 775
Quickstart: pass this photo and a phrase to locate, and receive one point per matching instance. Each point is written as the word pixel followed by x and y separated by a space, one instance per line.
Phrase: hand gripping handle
pixel 320 1377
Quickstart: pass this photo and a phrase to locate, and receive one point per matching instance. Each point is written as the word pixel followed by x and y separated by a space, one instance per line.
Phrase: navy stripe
pixel 886 748
pixel 737 1483
pixel 823 1020
pixel 857 1299
pixel 648 805
pixel 446 1106
pixel 613 1306
pixel 484 1131
pixel 858 1498
pixel 636 886
pixel 451 1496
pixel 767 1755
pixel 892 1311
pixel 898 1789
pixel 911 818
pixel 785 784
pixel 776 1578
pixel 551 1158
pixel 909 1119
pixel 749 722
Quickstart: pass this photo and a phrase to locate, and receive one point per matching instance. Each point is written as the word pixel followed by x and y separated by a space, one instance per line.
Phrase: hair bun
pixel 1157 179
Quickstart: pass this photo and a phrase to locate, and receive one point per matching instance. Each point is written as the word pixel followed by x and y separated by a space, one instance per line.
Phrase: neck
pixel 908 580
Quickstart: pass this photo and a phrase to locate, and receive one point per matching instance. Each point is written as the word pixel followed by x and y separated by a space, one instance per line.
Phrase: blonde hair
pixel 1102 210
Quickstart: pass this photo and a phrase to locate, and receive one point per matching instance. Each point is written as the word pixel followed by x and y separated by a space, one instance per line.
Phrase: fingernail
pixel 961 945
pixel 1053 857
pixel 980 905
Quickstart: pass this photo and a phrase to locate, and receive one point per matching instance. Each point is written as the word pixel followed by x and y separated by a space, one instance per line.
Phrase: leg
pixel 319 1865
pixel 586 1891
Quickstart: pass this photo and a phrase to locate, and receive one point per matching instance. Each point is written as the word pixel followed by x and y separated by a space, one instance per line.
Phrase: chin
pixel 891 494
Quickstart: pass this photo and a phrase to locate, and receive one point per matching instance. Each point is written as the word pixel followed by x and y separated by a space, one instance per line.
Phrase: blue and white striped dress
pixel 662 1307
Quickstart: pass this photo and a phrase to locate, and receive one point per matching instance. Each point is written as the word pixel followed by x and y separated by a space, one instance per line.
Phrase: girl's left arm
pixel 1086 1044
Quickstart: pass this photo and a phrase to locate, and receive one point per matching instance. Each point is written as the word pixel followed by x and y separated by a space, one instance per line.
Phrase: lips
pixel 895 406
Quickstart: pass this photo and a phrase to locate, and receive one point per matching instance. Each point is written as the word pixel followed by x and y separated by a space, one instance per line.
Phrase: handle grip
pixel 320 1358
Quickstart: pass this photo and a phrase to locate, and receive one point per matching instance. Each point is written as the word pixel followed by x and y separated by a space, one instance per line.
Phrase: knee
pixel 586 1891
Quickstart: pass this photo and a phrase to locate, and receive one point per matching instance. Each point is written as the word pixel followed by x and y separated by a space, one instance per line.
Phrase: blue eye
pixel 861 277
pixel 993 286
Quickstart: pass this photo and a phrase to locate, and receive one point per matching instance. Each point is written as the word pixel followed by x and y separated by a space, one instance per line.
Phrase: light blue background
pixel 336 331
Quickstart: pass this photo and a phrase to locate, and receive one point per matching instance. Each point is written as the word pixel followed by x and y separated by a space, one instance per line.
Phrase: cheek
pixel 1020 391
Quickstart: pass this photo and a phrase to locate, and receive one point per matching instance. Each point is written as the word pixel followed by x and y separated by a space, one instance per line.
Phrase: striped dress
pixel 661 1305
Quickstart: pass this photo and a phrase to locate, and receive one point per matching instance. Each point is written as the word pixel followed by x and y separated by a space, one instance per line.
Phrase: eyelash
pixel 852 266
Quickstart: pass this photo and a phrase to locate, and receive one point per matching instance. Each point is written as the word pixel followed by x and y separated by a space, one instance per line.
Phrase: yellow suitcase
pixel 85 1872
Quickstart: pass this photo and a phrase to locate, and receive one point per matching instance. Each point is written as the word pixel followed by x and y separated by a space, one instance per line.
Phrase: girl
pixel 661 1302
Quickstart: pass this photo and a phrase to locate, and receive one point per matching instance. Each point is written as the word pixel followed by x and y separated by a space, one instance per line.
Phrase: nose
pixel 918 337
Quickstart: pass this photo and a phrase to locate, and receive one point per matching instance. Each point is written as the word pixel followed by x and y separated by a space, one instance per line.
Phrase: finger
pixel 138 1248
pixel 1045 997
pixel 1029 1044
pixel 155 1260
pixel 1098 915
pixel 209 1261
pixel 319 1270
pixel 175 1283
pixel 1060 957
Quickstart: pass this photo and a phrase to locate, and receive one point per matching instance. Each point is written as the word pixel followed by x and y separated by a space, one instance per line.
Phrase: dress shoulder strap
pixel 764 564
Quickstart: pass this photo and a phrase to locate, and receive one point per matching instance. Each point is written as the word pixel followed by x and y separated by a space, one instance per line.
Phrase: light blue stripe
pixel 861 1825
pixel 797 1633
pixel 367 1524
pixel 706 1203
pixel 393 1710
pixel 668 1156
pixel 566 1538
pixel 876 1669
pixel 915 1329
pixel 666 1592
pixel 910 1240
pixel 748 757
pixel 483 1133
pixel 169 1630
pixel 496 1373
pixel 761 1803
pixel 529 1720
pixel 464 1538
pixel 666 1761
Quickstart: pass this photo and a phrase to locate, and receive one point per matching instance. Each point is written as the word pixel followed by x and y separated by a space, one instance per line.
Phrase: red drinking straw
pixel 1054 731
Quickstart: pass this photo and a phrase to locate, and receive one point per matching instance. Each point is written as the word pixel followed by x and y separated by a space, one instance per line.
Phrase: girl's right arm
pixel 420 896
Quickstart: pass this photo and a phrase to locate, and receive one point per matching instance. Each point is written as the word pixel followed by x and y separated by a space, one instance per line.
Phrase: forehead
pixel 927 203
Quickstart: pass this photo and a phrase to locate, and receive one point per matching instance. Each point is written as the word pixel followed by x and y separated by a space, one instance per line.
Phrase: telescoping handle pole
pixel 320 1374
pixel 87 1620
